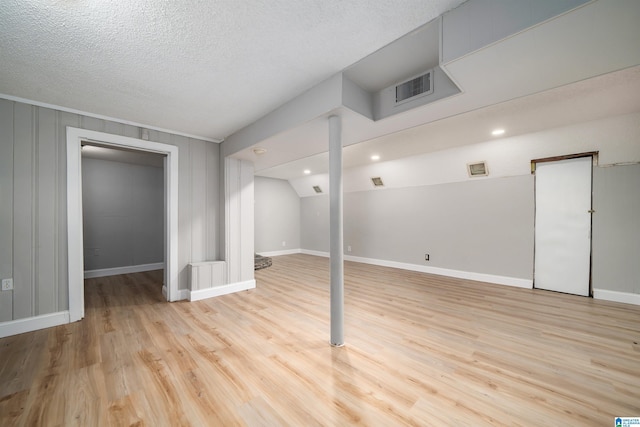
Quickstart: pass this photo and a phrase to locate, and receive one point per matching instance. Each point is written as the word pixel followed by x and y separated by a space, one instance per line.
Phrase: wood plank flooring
pixel 420 350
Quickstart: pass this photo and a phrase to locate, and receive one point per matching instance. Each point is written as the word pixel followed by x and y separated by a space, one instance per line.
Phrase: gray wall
pixel 123 214
pixel 476 24
pixel 33 217
pixel 616 228
pixel 277 215
pixel 483 226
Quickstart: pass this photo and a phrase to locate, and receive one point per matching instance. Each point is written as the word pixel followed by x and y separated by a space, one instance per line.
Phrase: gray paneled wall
pixel 478 23
pixel 33 247
pixel 123 214
pixel 616 229
pixel 483 226
pixel 277 215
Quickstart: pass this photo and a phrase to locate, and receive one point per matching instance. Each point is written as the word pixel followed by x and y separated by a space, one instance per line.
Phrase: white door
pixel 563 225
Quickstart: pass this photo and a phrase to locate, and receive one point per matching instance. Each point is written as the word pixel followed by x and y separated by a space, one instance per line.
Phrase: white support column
pixel 336 252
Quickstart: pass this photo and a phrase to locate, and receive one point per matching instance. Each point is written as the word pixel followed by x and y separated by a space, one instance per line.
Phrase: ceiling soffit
pixel 513 68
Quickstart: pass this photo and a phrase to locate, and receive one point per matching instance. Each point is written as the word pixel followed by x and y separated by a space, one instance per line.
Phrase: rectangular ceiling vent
pixel 317 189
pixel 477 169
pixel 421 85
pixel 377 182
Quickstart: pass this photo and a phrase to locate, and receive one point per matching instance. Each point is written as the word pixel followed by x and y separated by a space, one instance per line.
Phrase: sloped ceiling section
pixel 534 55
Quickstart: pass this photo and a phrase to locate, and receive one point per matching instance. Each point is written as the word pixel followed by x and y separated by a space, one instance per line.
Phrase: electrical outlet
pixel 426 257
pixel 348 248
pixel 284 243
pixel 7 284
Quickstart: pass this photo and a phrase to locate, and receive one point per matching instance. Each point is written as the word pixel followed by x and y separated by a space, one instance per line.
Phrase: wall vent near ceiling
pixel 477 169
pixel 421 85
pixel 317 189
pixel 377 181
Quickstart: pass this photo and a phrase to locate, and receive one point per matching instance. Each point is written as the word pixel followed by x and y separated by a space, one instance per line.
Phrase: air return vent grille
pixel 317 189
pixel 420 85
pixel 477 169
pixel 377 181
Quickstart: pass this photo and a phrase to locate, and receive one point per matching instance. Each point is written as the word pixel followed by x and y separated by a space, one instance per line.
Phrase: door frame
pixel 594 162
pixel 75 138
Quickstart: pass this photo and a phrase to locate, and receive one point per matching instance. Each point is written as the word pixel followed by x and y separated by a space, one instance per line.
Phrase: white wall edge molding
pixel 468 275
pixel 104 272
pixel 616 296
pixel 279 253
pixel 29 324
pixel 221 290
pixel 101 117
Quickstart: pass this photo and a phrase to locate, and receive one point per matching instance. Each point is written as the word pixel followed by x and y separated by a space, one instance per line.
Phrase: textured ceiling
pixel 204 68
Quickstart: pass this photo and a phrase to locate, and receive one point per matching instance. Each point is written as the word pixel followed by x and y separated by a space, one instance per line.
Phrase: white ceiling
pixel 603 96
pixel 578 66
pixel 207 69
pixel 200 68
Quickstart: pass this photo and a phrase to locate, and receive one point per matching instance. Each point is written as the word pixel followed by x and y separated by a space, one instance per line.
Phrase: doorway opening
pixel 563 211
pixel 75 138
pixel 123 211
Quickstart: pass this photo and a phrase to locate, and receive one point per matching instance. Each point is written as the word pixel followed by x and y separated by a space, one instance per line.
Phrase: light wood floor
pixel 420 350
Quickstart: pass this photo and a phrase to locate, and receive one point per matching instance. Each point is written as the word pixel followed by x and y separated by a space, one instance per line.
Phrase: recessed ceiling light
pixel 307 171
pixel 375 157
pixel 259 151
pixel 497 132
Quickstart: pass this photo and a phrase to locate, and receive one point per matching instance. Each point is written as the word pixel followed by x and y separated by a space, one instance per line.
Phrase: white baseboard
pixel 468 275
pixel 616 296
pixel 90 274
pixel 314 253
pixel 278 253
pixel 183 294
pixel 221 290
pixel 15 327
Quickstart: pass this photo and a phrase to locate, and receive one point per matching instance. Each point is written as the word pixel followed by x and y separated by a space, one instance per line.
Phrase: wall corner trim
pixel 221 290
pixel 29 324
pixel 617 296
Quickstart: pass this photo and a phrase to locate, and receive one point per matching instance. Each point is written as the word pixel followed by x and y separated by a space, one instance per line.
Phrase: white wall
pixel 485 225
pixel 277 216
pixel 33 197
pixel 123 214
pixel 616 229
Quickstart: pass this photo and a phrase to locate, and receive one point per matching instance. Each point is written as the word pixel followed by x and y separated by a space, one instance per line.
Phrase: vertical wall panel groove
pixel 56 211
pixel 23 212
pixel 197 153
pixel 46 220
pixel 33 191
pixel 35 202
pixel 6 201
pixel 184 214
